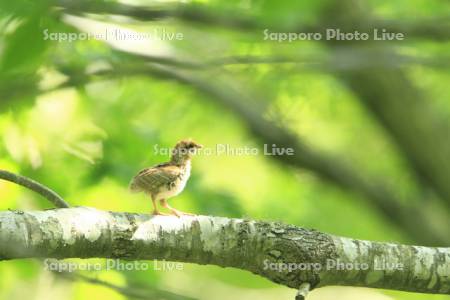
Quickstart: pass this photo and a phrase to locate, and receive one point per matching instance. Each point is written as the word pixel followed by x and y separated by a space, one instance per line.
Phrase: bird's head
pixel 184 150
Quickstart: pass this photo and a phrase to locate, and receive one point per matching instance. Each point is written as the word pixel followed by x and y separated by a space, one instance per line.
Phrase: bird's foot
pixel 158 213
pixel 178 213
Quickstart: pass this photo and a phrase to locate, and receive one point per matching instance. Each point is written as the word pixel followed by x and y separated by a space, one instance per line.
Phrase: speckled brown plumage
pixel 167 179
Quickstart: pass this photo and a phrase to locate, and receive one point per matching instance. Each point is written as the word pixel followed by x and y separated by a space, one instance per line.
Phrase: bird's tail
pixel 133 187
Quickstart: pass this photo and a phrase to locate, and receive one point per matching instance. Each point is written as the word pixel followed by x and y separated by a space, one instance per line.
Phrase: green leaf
pixel 24 47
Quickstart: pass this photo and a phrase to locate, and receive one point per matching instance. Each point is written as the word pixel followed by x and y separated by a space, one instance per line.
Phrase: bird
pixel 167 179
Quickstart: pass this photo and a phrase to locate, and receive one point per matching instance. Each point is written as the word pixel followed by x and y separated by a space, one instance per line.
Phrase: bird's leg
pixel 174 211
pixel 156 211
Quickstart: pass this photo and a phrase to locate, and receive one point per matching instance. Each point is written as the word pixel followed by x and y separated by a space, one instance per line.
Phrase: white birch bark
pixel 285 254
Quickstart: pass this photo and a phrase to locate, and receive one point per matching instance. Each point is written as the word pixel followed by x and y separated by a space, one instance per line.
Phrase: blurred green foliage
pixel 87 141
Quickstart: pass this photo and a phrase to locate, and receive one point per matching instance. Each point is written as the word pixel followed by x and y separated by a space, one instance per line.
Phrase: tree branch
pixel 264 248
pixel 343 59
pixel 420 130
pixel 35 187
pixel 196 13
pixel 433 29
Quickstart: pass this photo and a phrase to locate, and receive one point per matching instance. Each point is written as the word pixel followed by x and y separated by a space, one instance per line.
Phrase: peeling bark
pixel 285 254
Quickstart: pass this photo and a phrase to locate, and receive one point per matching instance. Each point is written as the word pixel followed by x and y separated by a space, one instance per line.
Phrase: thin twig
pixel 132 292
pixel 37 187
pixel 304 289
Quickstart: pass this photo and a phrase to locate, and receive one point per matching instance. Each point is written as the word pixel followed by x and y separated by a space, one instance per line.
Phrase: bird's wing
pixel 151 179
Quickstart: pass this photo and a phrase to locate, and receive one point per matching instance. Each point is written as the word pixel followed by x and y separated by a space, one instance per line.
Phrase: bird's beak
pixel 199 146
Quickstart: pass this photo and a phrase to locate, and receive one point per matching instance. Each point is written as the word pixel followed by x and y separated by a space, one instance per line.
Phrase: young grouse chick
pixel 167 179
